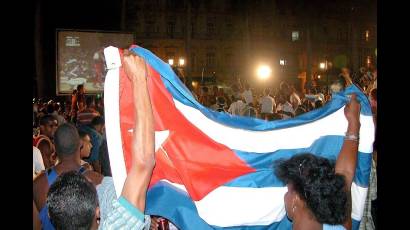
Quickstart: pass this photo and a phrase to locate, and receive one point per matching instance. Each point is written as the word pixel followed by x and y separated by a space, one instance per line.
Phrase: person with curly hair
pixel 318 195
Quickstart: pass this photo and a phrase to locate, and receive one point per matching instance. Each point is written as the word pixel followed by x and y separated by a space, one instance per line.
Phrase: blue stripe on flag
pixel 264 162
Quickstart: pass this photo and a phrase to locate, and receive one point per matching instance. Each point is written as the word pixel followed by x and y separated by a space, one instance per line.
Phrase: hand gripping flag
pixel 214 170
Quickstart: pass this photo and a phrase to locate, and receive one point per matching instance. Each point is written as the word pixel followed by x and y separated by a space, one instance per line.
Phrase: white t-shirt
pixel 295 100
pixel 38 163
pixel 286 107
pixel 236 108
pixel 247 94
pixel 267 104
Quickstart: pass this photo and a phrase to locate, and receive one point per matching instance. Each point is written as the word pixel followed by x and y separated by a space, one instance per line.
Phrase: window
pixel 210 60
pixel 210 28
pixel 170 55
pixel 295 35
pixel 170 29
pixel 193 61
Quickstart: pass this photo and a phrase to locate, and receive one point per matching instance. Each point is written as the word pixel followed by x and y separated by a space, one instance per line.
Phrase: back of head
pixel 318 104
pixel 44 120
pixel 267 91
pixel 98 120
pixel 66 140
pixel 50 108
pixel 220 101
pixel 316 183
pixel 72 201
pixel 80 88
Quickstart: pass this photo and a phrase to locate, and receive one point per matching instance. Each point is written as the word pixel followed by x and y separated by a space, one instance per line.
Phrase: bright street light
pixel 282 62
pixel 322 65
pixel 264 72
pixel 171 61
pixel 181 62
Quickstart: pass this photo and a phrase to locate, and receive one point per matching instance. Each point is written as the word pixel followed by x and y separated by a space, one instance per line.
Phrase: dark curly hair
pixel 316 182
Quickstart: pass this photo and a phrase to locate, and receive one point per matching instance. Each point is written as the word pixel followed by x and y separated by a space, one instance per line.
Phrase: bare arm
pixel 347 160
pixel 143 159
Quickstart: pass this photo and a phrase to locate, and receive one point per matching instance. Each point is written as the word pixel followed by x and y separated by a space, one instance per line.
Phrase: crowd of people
pixel 72 183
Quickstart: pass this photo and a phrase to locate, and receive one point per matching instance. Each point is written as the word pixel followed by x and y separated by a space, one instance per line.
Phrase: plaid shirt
pixel 125 216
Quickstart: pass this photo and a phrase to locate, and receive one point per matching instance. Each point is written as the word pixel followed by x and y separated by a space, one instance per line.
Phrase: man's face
pixel 49 129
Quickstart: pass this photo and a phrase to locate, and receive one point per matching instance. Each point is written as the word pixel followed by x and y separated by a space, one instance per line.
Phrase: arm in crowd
pixel 143 158
pixel 347 159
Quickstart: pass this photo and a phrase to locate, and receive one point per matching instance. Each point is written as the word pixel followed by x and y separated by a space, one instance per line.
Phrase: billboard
pixel 80 58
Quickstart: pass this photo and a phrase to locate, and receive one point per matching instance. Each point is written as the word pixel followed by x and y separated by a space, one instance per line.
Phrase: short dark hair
pixel 66 139
pixel 44 120
pixel 318 104
pixel 72 201
pixel 98 120
pixel 79 87
pixel 82 133
pixel 316 182
pixel 50 108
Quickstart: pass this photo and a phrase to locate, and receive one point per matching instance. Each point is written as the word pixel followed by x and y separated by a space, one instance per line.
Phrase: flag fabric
pixel 215 170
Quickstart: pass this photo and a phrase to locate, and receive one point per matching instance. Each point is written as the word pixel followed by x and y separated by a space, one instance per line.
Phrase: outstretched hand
pixel 134 66
pixel 352 110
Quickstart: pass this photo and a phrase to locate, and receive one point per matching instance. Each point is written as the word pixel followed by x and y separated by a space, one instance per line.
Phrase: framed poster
pixel 80 58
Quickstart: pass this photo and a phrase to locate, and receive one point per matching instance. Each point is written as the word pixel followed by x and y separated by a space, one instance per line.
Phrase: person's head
pixel 247 86
pixel 80 89
pixel 89 102
pixel 318 104
pixel 50 108
pixel 85 144
pixel 98 123
pixel 313 188
pixel 67 141
pixel 57 107
pixel 266 91
pixel 48 125
pixel 220 101
pixel 73 203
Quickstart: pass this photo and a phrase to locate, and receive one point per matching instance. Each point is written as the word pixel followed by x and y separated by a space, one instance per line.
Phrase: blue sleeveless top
pixel 43 214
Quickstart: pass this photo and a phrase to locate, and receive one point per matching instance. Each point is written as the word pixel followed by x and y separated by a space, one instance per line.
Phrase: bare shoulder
pixel 40 189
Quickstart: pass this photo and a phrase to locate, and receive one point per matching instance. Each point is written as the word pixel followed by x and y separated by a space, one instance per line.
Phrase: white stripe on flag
pixel 112 124
pixel 359 195
pixel 234 206
pixel 302 136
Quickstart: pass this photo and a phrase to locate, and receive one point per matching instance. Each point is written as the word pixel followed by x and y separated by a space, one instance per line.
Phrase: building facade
pixel 227 39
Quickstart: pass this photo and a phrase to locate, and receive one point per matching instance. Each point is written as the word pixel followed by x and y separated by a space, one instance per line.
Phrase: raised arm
pixel 346 162
pixel 143 159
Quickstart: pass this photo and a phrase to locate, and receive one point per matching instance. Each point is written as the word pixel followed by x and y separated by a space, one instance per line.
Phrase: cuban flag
pixel 214 170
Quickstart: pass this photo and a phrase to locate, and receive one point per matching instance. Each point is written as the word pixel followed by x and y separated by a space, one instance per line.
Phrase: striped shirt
pixel 86 116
